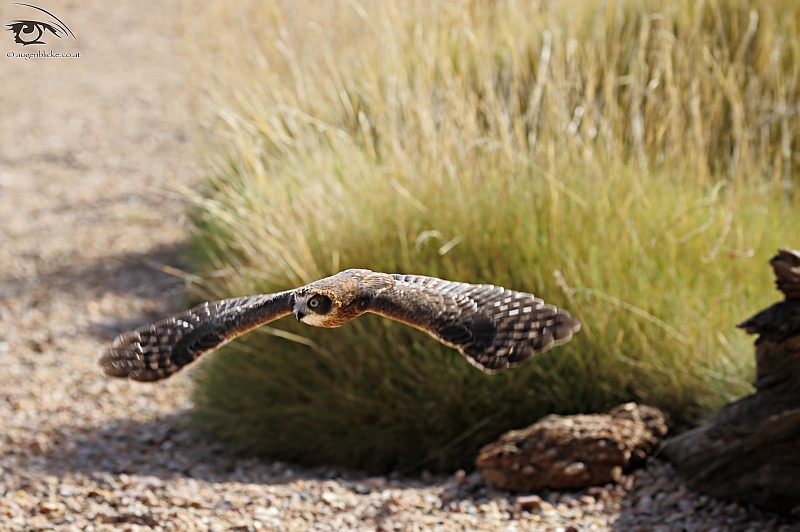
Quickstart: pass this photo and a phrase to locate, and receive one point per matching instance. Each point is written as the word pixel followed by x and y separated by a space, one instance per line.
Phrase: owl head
pixel 331 302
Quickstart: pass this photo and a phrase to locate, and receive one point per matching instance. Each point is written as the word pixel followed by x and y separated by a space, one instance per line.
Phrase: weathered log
pixel 750 451
pixel 571 452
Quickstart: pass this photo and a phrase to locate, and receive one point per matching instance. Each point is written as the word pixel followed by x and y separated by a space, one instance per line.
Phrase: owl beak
pixel 299 315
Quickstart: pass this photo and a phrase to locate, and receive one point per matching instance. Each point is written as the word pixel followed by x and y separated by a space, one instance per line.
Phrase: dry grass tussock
pixel 634 162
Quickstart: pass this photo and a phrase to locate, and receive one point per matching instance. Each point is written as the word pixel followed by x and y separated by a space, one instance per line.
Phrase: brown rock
pixel 569 452
pixel 529 502
pixel 107 519
pixel 750 451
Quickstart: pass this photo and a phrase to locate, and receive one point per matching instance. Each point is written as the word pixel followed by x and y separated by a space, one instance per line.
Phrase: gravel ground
pixel 89 150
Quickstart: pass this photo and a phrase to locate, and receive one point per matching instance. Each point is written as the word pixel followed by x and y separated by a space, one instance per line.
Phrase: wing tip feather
pixel 557 336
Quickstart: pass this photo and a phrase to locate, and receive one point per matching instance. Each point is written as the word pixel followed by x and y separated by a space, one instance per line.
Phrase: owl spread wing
pixel 157 351
pixel 493 327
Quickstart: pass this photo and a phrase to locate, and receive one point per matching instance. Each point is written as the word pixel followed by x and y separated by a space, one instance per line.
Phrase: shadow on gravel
pixel 133 274
pixel 163 448
pixel 153 278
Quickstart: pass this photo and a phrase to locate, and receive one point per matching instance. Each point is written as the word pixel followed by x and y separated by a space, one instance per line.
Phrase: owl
pixel 494 328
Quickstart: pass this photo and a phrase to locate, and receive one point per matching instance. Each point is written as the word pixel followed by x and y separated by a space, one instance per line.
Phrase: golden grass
pixel 632 162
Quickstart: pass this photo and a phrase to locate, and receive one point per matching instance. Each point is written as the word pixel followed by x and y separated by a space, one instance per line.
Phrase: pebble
pixel 529 502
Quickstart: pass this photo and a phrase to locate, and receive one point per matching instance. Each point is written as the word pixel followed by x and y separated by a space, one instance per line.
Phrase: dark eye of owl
pixel 319 304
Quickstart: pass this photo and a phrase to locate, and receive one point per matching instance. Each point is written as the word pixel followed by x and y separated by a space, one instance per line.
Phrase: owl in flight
pixel 492 327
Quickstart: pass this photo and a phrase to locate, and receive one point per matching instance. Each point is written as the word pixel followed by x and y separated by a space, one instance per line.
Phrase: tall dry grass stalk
pixel 631 161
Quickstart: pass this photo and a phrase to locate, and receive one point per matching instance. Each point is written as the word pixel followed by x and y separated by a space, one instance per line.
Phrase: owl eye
pixel 314 302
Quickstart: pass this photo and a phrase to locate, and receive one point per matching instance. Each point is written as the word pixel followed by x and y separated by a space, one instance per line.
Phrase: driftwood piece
pixel 750 452
pixel 570 452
